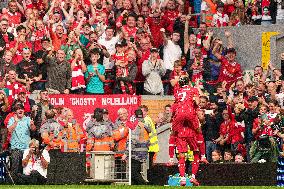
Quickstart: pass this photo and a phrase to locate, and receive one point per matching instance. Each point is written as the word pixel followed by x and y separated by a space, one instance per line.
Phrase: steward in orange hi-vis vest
pixel 100 135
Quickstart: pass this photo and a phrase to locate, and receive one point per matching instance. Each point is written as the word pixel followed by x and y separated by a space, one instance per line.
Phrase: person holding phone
pixel 94 76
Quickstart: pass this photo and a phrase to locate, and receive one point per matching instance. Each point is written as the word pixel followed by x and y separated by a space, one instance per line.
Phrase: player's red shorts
pixel 185 119
pixel 186 138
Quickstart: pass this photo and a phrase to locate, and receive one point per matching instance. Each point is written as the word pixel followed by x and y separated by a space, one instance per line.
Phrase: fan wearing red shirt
pixel 58 37
pixel 185 126
pixel 172 12
pixel 259 126
pixel 130 28
pixel 230 70
pixel 225 128
pixel 12 15
pixel 38 34
pixel 156 23
pixel 19 44
pixel 143 54
pixel 13 86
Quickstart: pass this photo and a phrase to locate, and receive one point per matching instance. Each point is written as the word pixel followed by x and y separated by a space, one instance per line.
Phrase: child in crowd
pixel 228 156
pixel 239 158
pixel 217 156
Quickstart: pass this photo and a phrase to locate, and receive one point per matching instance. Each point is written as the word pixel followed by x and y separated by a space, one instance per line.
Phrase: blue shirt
pixel 95 85
pixel 21 135
pixel 84 40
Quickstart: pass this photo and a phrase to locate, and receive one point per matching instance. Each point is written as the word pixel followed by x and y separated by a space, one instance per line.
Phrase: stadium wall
pixel 248 43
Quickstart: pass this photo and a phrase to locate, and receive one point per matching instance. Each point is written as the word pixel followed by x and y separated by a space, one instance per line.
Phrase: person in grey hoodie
pixel 153 69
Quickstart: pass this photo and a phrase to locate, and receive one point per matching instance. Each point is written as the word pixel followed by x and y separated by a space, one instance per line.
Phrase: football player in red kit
pixel 185 126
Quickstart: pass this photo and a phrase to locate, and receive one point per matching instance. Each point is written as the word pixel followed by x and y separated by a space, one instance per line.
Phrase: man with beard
pixel 59 74
pixel 185 127
pixel 172 10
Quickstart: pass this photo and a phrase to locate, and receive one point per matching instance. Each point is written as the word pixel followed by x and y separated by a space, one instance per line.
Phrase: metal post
pixel 129 157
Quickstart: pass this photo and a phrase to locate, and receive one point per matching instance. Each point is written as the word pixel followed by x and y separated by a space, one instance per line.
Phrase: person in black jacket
pixel 5 37
pixel 38 113
pixel 211 127
pixel 132 71
pixel 248 115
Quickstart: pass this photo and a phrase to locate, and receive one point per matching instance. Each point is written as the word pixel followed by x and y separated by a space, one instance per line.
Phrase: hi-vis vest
pixel 154 146
pixel 120 137
pixel 71 137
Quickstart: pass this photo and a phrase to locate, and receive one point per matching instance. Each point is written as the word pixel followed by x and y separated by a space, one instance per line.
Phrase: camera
pixel 98 114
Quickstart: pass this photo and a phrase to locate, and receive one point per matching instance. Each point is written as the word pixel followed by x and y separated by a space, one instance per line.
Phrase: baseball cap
pixel 253 99
pixel 154 50
pixel 138 113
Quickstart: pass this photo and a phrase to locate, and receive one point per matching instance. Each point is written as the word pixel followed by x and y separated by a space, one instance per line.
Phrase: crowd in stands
pixel 133 47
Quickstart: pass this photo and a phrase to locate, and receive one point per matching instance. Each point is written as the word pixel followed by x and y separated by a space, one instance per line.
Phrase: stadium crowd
pixel 132 47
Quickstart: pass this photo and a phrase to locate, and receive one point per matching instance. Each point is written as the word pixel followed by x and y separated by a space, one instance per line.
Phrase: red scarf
pixel 219 24
pixel 199 44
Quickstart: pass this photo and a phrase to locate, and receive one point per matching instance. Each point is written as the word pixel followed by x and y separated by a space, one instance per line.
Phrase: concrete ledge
pixel 157 97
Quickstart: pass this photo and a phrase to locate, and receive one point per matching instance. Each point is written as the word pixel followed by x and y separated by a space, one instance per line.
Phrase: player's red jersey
pixel 184 99
pixel 184 111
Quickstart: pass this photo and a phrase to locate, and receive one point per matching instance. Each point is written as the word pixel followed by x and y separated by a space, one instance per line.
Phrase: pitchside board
pixel 258 174
pixel 66 168
pixel 69 168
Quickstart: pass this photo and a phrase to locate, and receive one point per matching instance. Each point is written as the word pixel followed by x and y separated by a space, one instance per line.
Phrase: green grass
pixel 128 187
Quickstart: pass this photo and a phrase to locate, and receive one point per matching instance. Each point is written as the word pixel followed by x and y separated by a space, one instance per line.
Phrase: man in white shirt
pixel 35 163
pixel 109 41
pixel 172 52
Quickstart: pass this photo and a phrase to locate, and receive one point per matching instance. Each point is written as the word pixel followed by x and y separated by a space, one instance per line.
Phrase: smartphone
pixel 132 39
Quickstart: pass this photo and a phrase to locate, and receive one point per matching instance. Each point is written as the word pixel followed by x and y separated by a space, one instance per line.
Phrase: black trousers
pixel 16 161
pixel 34 178
pixel 151 158
pixel 136 177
